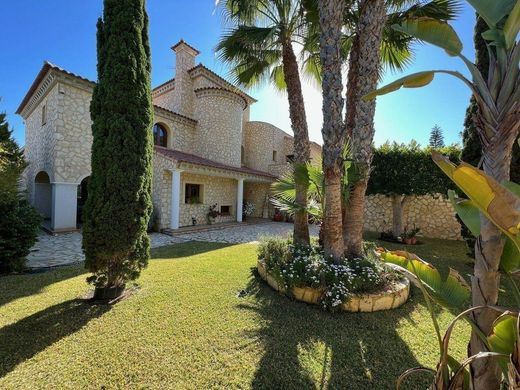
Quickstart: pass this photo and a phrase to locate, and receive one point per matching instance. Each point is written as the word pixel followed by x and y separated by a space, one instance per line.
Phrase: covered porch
pixel 187 186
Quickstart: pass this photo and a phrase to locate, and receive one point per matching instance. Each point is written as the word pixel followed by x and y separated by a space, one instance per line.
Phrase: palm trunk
pixel 485 284
pixel 333 131
pixel 364 64
pixel 302 152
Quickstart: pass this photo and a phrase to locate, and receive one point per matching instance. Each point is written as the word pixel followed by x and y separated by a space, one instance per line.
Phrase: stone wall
pixel 40 142
pixel 261 139
pixel 256 193
pixel 434 215
pixel 219 130
pixel 221 191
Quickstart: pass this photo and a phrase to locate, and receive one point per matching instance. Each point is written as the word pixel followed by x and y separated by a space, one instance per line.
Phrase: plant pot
pixel 278 218
pixel 108 293
pixel 211 220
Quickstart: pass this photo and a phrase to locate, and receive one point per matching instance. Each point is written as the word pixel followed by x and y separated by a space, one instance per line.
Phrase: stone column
pixel 64 206
pixel 176 198
pixel 240 199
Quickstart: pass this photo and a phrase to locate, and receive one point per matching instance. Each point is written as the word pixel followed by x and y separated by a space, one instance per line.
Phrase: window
pixel 225 210
pixel 192 193
pixel 160 135
pixel 289 158
pixel 44 115
pixel 274 155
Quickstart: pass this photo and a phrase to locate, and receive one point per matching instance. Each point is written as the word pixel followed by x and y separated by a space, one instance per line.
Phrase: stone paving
pixel 65 249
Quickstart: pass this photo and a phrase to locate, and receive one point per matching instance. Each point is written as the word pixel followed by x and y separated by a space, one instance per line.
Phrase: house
pixel 206 151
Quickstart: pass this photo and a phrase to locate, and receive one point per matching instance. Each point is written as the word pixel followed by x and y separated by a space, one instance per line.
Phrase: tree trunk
pixel 486 373
pixel 364 64
pixel 397 215
pixel 333 131
pixel 302 152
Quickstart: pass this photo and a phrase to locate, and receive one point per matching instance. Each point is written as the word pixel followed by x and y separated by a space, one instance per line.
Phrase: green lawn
pixel 186 328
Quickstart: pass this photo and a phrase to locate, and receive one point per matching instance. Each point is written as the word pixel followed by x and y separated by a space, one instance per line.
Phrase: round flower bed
pixel 358 285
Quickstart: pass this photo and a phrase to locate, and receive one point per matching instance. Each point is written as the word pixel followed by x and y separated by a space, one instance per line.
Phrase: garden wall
pixel 434 215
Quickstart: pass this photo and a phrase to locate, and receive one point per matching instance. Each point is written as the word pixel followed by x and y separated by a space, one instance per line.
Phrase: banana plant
pixel 452 293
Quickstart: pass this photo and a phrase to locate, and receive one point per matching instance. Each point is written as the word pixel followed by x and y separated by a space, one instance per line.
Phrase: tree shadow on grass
pixel 23 339
pixel 185 249
pixel 13 287
pixel 349 350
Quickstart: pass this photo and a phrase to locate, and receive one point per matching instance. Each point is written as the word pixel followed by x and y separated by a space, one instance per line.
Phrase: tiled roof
pixel 175 113
pixel 182 41
pixel 163 84
pixel 236 92
pixel 232 86
pixel 43 71
pixel 193 159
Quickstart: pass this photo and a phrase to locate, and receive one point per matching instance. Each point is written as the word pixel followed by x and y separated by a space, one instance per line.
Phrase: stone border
pixel 385 300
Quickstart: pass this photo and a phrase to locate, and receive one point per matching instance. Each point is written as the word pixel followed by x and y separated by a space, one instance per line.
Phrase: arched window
pixel 160 135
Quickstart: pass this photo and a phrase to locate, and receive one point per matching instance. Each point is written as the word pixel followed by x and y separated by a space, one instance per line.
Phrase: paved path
pixel 64 249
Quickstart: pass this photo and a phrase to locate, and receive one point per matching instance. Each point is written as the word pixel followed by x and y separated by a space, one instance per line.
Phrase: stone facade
pixel 434 215
pixel 205 120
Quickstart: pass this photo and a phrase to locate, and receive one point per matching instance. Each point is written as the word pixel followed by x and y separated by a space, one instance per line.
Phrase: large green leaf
pixel 496 202
pixel 415 80
pixel 504 335
pixel 451 292
pixel 493 11
pixel 467 211
pixel 433 31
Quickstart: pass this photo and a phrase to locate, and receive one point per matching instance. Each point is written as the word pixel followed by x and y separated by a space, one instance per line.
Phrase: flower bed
pixel 358 285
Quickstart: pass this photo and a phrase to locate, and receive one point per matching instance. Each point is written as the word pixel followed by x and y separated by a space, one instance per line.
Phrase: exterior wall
pixel 219 131
pixel 217 190
pixel 183 96
pixel 73 135
pixel 164 99
pixel 161 191
pixel 261 139
pixel 434 215
pixel 40 142
pixel 180 134
pixel 256 193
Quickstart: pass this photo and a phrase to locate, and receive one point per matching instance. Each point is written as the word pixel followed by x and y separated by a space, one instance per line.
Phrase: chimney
pixel 183 94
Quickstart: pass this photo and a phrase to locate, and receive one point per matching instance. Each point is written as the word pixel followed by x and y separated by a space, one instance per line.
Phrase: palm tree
pixel 260 47
pixel 375 43
pixel 331 22
pixel 498 126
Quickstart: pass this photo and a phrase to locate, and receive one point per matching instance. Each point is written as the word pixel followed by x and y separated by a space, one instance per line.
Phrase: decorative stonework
pixel 391 298
pixel 434 215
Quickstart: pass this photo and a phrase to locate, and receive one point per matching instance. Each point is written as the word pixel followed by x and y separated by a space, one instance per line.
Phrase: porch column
pixel 64 206
pixel 240 199
pixel 176 198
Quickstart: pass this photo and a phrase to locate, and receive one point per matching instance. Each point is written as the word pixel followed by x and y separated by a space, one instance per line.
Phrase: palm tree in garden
pixel 498 126
pixel 374 45
pixel 260 47
pixel 331 23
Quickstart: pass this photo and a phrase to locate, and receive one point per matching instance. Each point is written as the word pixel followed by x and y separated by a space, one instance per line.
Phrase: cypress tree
pixel 119 203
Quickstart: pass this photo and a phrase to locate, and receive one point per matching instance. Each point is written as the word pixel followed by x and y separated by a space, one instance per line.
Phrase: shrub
pixel 18 230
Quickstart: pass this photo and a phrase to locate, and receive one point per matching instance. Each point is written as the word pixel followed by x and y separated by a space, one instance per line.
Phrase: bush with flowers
pixel 294 266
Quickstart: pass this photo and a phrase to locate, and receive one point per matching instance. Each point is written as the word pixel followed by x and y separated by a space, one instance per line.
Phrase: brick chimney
pixel 183 94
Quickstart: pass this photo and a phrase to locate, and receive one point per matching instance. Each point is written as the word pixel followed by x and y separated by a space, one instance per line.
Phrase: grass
pixel 186 328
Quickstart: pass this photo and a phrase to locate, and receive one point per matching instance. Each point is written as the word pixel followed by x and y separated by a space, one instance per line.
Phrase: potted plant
pixel 410 237
pixel 212 214
pixel 247 209
pixel 278 216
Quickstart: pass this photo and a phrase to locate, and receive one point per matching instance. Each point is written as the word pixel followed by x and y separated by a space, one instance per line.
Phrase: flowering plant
pixel 248 208
pixel 295 266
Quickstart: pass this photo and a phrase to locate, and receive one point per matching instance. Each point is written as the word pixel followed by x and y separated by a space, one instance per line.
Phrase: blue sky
pixel 63 32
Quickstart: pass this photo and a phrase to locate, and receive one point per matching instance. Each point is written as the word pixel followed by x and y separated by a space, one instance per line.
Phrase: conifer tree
pixel 119 204
pixel 436 137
